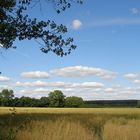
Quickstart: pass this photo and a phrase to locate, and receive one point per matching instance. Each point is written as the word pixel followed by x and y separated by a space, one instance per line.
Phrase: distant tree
pixel 56 98
pixel 35 102
pixel 138 104
pixel 15 24
pixel 25 101
pixel 16 102
pixel 73 101
pixel 44 102
pixel 6 97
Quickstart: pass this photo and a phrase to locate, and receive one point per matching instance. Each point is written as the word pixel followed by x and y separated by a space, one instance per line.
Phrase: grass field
pixel 69 124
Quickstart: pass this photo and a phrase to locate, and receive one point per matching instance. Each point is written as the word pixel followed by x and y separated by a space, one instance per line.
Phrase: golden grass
pixel 71 123
pixel 57 130
pixel 122 130
pixel 119 111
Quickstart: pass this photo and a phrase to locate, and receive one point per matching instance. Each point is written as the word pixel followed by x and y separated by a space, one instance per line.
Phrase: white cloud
pixel 63 85
pixel 82 71
pixel 31 84
pixel 122 93
pixel 4 78
pixel 131 76
pixel 35 74
pixel 38 88
pixel 110 90
pixel 136 81
pixel 88 90
pixel 35 93
pixel 87 85
pixel 89 93
pixel 76 24
pixel 135 11
pixel 69 89
pixel 41 90
pixel 43 84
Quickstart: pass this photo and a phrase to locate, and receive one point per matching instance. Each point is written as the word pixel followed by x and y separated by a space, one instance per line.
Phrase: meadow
pixel 69 123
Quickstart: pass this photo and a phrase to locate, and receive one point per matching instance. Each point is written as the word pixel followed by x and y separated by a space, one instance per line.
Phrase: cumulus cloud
pixel 43 84
pixel 63 85
pixel 69 89
pixel 119 93
pixel 37 93
pixel 122 93
pixel 131 76
pixel 88 90
pixel 87 85
pixel 136 81
pixel 31 84
pixel 134 11
pixel 4 78
pixel 35 74
pixel 88 93
pixel 76 24
pixel 110 90
pixel 81 71
pixel 37 90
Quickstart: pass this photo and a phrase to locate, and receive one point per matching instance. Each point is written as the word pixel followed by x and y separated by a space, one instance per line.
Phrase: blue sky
pixel 105 64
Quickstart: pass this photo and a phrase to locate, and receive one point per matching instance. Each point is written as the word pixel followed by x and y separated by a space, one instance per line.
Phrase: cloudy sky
pixel 105 64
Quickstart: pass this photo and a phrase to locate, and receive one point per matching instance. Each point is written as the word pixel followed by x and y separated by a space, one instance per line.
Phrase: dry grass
pixel 57 130
pixel 122 130
pixel 70 124
pixel 5 110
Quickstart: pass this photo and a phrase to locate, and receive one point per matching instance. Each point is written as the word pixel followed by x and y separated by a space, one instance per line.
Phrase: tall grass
pixel 55 130
pixel 69 125
pixel 122 130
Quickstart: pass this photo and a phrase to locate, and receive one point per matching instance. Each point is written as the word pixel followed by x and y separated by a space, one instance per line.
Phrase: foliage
pixel 73 101
pixel 59 100
pixel 56 98
pixel 138 104
pixel 28 102
pixel 110 103
pixel 6 97
pixel 44 102
pixel 16 24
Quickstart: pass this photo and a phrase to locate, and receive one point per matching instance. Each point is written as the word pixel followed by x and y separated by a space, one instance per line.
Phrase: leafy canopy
pixel 56 98
pixel 6 97
pixel 73 101
pixel 15 24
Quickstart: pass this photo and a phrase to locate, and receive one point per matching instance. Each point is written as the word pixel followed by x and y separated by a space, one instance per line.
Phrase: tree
pixel 15 24
pixel 44 102
pixel 138 103
pixel 25 101
pixel 56 98
pixel 16 102
pixel 73 101
pixel 6 97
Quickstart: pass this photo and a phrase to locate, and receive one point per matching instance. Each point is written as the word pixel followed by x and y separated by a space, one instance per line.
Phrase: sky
pixel 105 65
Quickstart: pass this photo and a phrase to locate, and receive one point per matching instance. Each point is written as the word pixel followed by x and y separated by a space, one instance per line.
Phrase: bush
pixel 73 101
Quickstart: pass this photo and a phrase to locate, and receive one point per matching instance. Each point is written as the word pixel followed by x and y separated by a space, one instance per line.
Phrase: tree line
pixel 55 98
